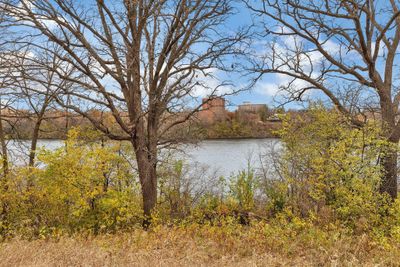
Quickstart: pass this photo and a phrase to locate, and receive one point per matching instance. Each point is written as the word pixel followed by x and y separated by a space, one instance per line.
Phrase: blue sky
pixel 259 93
pixel 265 90
pixel 242 18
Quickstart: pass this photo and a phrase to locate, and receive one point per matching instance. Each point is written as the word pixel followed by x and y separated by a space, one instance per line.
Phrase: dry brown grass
pixel 195 247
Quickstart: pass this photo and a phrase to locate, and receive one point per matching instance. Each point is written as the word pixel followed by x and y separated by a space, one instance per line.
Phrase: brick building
pixel 212 110
pixel 252 108
pixel 252 112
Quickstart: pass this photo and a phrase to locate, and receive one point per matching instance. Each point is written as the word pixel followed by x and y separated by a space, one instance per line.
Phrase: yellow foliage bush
pixel 79 187
pixel 330 171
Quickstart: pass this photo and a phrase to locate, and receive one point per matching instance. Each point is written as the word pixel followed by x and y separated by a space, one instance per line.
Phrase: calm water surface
pixel 230 156
pixel 223 157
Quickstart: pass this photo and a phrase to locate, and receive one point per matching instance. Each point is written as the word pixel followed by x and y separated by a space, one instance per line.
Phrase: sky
pixel 263 92
pixel 257 94
pixel 266 90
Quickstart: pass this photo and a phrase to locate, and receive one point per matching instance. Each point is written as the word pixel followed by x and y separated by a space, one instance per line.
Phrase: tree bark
pixel 35 137
pixel 389 166
pixel 3 149
pixel 145 145
pixel 148 180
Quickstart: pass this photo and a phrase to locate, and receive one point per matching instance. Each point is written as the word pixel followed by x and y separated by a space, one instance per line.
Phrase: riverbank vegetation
pixel 317 202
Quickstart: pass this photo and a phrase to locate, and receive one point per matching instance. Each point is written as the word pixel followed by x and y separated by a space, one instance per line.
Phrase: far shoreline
pixel 198 140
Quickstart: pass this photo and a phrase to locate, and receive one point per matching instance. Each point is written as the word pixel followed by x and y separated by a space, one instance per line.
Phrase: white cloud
pixel 268 89
pixel 331 47
pixel 22 10
pixel 211 84
pixel 275 89
pixel 292 52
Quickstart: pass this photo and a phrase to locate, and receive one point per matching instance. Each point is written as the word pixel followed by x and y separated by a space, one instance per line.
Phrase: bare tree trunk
pixel 3 149
pixel 389 159
pixel 149 191
pixel 35 137
pixel 105 176
pixel 389 166
pixel 145 145
pixel 148 181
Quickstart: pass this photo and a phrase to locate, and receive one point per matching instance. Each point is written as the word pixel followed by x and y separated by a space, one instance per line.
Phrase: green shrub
pixel 242 189
pixel 330 170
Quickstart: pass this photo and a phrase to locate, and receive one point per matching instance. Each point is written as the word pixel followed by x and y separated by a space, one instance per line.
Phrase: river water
pixel 223 157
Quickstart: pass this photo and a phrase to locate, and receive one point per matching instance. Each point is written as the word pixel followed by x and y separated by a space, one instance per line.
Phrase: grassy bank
pixel 230 245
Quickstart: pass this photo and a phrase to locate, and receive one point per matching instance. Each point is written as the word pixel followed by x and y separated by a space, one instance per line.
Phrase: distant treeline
pixel 20 124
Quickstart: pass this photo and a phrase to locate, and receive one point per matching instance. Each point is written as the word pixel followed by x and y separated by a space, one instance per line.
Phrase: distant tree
pixel 3 142
pixel 333 46
pixel 264 113
pixel 5 100
pixel 36 83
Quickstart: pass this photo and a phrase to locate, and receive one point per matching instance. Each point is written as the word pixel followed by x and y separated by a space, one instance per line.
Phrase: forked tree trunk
pixel 145 145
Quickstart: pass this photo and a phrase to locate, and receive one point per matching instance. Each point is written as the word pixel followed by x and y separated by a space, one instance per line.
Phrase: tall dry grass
pixel 201 246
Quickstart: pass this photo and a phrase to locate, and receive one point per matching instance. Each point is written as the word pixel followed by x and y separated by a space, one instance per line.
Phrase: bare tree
pixel 3 144
pixel 5 101
pixel 331 46
pixel 143 60
pixel 36 83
